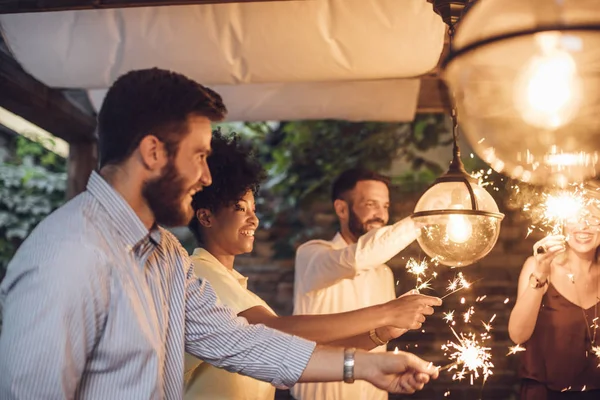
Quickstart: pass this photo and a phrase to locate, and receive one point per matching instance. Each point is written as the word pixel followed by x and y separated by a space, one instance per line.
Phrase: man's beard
pixel 165 196
pixel 357 227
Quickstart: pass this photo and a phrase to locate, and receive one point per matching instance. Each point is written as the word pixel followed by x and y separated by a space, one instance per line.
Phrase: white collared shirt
pixel 333 277
pixel 203 381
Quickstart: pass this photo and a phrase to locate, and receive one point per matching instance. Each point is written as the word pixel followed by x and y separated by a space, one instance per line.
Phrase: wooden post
pixel 83 159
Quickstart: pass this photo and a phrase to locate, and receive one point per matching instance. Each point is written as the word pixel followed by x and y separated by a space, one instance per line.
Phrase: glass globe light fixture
pixel 525 75
pixel 459 220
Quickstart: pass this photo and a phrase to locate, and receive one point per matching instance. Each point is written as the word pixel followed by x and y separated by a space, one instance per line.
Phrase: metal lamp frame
pixel 450 11
pixel 454 54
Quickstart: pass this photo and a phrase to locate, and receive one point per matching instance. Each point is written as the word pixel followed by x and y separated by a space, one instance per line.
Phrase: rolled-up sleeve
pixel 216 335
pixel 54 305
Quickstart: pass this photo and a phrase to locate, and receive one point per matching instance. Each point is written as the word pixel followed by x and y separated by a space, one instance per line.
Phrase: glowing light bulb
pixel 548 91
pixel 458 229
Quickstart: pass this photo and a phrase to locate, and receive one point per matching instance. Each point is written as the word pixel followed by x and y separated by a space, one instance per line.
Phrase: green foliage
pixel 32 185
pixel 303 158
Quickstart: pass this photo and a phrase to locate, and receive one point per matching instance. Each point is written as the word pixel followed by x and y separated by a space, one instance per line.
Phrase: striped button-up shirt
pixel 95 306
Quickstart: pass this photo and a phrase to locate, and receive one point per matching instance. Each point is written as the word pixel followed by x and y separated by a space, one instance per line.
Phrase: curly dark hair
pixel 235 170
pixel 151 101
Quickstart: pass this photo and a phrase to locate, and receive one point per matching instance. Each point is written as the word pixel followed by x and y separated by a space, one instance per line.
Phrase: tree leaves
pixel 32 185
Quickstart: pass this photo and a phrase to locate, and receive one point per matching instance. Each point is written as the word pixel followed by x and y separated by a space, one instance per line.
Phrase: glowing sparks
pixel 596 351
pixel 419 269
pixel 562 207
pixel 458 283
pixel 515 349
pixel 416 268
pixel 470 356
pixel 449 316
pixel 488 326
pixel 551 209
pixel 467 315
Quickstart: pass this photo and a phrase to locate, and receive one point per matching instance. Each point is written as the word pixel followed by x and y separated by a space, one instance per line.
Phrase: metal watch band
pixel 349 364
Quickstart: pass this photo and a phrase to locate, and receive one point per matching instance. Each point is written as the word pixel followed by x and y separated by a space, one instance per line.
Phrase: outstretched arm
pixel 396 373
pixel 319 266
pixel 405 312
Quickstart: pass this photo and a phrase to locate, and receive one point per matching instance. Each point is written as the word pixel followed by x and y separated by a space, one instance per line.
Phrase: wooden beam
pixel 433 95
pixel 431 98
pixel 45 107
pixel 83 159
pixel 27 6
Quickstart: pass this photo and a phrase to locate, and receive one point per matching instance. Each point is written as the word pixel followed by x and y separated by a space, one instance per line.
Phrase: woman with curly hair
pixel 224 226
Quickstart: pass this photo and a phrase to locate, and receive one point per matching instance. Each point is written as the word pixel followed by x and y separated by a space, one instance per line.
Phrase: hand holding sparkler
pixel 409 310
pixel 544 252
pixel 400 372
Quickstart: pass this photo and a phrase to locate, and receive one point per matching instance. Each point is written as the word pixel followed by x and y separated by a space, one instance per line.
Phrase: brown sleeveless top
pixel 559 352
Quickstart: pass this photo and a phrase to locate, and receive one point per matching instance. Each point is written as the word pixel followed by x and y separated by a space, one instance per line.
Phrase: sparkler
pixel 562 207
pixel 459 283
pixel 418 269
pixel 551 209
pixel 470 355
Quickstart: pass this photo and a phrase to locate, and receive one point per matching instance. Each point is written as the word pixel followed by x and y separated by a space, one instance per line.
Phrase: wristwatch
pixel 349 364
pixel 535 283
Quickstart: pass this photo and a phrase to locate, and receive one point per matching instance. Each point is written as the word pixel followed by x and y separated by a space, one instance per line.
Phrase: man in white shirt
pixel 349 272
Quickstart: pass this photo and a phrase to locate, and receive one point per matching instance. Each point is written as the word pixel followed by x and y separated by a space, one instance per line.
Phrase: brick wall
pixel 495 276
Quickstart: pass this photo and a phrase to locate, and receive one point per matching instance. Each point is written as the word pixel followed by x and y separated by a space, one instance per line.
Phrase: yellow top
pixel 203 381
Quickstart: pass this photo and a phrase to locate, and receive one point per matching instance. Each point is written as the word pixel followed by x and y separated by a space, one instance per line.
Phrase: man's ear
pixel 152 153
pixel 341 209
pixel 205 217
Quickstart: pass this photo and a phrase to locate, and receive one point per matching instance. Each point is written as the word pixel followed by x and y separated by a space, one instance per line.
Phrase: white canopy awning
pixel 348 59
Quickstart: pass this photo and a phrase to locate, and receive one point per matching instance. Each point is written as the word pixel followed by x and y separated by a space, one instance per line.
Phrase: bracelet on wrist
pixel 375 338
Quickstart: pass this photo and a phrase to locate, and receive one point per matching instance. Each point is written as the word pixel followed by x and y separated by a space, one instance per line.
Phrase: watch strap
pixel 349 364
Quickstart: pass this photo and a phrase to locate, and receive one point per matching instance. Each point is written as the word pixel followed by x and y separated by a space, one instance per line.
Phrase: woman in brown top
pixel 555 316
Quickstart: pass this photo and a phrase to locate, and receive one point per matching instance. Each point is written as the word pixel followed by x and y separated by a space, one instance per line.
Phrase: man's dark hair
pixel 151 102
pixel 348 179
pixel 235 171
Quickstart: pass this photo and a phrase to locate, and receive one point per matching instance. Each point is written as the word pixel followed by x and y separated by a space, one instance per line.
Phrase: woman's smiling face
pixel 233 227
pixel 584 233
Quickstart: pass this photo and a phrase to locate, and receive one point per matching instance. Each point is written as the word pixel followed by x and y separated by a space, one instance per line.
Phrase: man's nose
pixel 205 177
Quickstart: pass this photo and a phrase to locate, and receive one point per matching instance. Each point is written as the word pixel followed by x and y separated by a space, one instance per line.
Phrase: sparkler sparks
pixel 596 351
pixel 515 349
pixel 467 315
pixel 458 283
pixel 550 210
pixel 418 269
pixel 562 207
pixel 468 354
pixel 449 316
